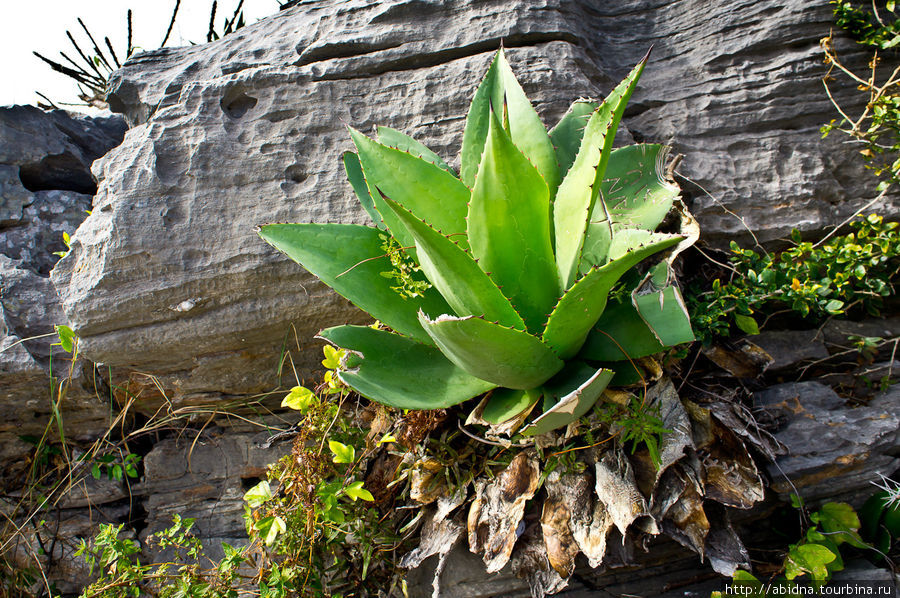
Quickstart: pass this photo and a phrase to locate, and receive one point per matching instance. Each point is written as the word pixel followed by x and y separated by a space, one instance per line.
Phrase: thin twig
pixel 53 105
pixel 211 34
pixel 129 49
pixel 875 200
pixel 727 211
pixel 113 52
pixel 85 58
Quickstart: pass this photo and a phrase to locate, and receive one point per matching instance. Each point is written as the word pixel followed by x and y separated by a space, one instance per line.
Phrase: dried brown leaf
pixel 427 482
pixel 746 360
pixel 530 563
pixel 437 537
pixel 724 549
pixel 497 510
pixel 675 419
pixel 617 491
pixel 731 475
pixel 556 519
pixel 680 505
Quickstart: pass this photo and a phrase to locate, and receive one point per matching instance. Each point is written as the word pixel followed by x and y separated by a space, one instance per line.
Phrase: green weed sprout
pixel 504 286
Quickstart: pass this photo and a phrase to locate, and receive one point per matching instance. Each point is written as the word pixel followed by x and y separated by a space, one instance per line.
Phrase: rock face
pixel 830 441
pixel 167 275
pixel 45 189
pixel 205 481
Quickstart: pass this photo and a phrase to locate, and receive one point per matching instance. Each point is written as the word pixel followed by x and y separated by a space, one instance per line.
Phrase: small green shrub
pixel 877 127
pixel 815 557
pixel 853 272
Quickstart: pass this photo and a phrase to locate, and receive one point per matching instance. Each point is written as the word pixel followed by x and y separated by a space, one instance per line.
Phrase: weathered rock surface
pixel 51 150
pixel 250 129
pixel 204 475
pixel 791 348
pixel 829 440
pixel 205 480
pixel 45 187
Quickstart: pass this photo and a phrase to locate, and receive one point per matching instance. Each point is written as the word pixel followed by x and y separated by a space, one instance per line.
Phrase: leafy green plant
pixel 67 242
pixel 312 524
pixel 115 468
pixel 877 127
pixel 815 280
pixel 816 556
pixel 508 268
pixel 637 423
pixel 116 564
pixel 868 27
pixel 314 510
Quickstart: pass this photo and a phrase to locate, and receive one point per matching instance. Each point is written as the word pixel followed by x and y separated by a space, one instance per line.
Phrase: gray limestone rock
pixel 790 348
pixel 835 450
pixel 45 182
pixel 205 480
pixel 54 150
pixel 38 236
pixel 167 275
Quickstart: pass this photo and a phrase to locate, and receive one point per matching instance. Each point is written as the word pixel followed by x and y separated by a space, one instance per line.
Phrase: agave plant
pixel 525 273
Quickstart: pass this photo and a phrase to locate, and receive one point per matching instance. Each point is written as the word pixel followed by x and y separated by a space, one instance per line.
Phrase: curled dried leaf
pixel 680 505
pixel 498 507
pixel 731 475
pixel 724 549
pixel 531 563
pixel 556 519
pixel 427 482
pixel 617 491
pixel 438 535
pixel 675 419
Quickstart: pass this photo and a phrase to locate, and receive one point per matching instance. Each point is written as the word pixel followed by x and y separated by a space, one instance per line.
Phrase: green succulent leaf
pixel 619 334
pixel 665 315
pixel 399 372
pixel 501 91
pixel 509 228
pixel 506 403
pixel 465 287
pixel 358 181
pixel 634 186
pixel 504 356
pixel 580 308
pixel 394 138
pixel 349 258
pixel 575 390
pixel 579 190
pixel 431 193
pixel 568 132
pixel 635 194
pixel 627 240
